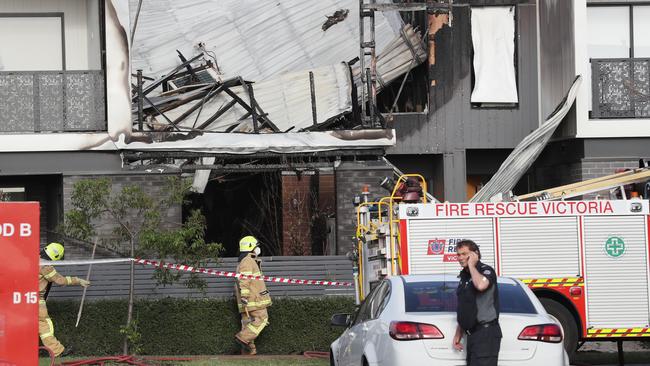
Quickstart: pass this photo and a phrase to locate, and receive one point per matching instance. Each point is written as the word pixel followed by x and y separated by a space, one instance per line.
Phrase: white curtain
pixel 493 37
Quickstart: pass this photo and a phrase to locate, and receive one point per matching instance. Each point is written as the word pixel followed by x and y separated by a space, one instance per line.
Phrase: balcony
pixel 47 101
pixel 620 88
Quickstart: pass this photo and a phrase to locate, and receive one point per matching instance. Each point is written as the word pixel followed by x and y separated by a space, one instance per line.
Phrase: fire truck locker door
pixel 539 247
pixel 616 275
pixel 431 243
pixel 19 239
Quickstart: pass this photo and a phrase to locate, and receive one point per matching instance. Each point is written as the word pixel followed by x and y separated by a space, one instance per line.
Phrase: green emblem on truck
pixel 614 246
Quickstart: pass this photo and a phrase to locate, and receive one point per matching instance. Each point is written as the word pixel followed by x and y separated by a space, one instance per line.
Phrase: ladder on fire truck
pixel 611 182
pixel 377 235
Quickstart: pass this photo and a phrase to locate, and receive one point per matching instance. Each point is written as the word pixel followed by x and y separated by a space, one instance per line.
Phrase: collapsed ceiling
pixel 199 98
pixel 248 78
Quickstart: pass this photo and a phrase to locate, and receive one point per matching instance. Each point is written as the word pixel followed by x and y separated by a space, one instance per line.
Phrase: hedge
pixel 197 327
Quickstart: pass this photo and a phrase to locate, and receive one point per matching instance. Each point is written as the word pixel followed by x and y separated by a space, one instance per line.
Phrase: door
pixel 616 272
pixel 355 338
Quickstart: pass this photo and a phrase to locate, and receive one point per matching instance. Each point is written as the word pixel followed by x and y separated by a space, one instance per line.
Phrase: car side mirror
pixel 340 320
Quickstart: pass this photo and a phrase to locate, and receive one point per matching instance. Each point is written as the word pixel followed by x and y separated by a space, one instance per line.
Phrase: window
pixel 441 297
pixel 39 37
pixel 619 52
pixel 618 31
pixel 373 304
pixel 12 194
pixel 493 40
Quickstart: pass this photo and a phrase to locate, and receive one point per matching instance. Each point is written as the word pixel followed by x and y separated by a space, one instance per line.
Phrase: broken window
pixel 410 92
pixel 493 39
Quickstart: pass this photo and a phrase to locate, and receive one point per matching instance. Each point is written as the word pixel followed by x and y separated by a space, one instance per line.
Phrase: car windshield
pixel 440 296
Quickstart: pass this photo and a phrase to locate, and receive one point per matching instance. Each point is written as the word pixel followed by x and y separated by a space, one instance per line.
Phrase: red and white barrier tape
pixel 182 267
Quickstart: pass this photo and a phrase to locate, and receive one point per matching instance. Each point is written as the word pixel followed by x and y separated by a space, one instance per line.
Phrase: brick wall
pixel 152 185
pixel 350 179
pixel 586 168
pixel 296 213
pixel 594 168
pixel 591 168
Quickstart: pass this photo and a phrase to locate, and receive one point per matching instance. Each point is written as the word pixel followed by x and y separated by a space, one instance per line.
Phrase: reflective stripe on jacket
pixel 252 290
pixel 47 274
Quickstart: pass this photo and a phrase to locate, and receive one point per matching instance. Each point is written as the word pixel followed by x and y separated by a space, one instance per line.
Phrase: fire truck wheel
pixel 568 322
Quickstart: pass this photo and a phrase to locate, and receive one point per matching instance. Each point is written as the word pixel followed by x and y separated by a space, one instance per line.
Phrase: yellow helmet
pixel 54 251
pixel 247 244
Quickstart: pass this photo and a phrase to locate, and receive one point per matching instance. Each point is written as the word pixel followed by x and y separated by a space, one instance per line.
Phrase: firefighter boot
pixel 67 352
pixel 250 351
pixel 246 348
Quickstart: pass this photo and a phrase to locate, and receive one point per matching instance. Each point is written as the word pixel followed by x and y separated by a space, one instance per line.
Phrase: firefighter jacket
pixel 254 291
pixel 47 274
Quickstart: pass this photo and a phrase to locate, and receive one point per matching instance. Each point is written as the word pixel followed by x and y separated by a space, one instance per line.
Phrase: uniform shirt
pixel 476 307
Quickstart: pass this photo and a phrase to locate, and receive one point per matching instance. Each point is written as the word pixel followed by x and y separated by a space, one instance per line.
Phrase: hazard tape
pixel 182 267
pixel 617 332
pixel 553 282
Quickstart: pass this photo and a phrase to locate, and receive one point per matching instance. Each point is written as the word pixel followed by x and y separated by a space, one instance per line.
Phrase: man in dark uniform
pixel 478 307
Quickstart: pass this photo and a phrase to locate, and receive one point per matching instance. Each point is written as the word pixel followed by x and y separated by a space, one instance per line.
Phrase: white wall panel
pixel 539 246
pixel 617 288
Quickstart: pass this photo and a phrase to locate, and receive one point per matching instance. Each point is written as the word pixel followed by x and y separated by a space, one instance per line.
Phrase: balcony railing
pixel 41 101
pixel 620 88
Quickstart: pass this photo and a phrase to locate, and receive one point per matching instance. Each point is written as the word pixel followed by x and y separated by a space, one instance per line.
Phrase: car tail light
pixel 550 333
pixel 406 331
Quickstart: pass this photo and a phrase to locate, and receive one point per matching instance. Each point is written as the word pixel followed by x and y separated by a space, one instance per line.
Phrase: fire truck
pixel 586 260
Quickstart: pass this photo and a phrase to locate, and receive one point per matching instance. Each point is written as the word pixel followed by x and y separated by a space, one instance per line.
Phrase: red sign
pixel 445 247
pixel 19 239
pixel 436 246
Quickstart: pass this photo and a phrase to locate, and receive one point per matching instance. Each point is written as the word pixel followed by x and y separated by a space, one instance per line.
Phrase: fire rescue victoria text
pixel 524 208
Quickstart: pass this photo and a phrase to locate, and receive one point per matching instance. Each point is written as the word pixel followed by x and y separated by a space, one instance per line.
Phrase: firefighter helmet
pixel 54 251
pixel 247 244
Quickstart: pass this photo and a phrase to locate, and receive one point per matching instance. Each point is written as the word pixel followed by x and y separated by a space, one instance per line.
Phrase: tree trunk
pixel 129 315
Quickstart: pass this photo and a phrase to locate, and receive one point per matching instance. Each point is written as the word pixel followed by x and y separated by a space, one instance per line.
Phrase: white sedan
pixel 411 320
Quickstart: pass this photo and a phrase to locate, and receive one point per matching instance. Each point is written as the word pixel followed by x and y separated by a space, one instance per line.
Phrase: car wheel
pixel 332 358
pixel 568 322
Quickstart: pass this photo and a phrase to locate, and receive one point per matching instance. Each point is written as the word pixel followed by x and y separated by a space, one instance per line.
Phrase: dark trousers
pixel 483 346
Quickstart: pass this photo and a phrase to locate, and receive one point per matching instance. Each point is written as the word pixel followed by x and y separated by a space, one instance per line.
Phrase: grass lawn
pixel 223 361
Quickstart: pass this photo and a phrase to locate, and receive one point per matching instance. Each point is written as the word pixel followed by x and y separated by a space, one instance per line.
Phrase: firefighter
pixel 46 276
pixel 478 307
pixel 252 296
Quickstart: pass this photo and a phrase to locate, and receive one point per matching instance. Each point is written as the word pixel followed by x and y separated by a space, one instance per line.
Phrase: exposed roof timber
pixel 161 80
pixel 294 101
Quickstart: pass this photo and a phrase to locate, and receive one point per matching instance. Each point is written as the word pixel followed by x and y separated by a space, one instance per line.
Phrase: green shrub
pixel 197 327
